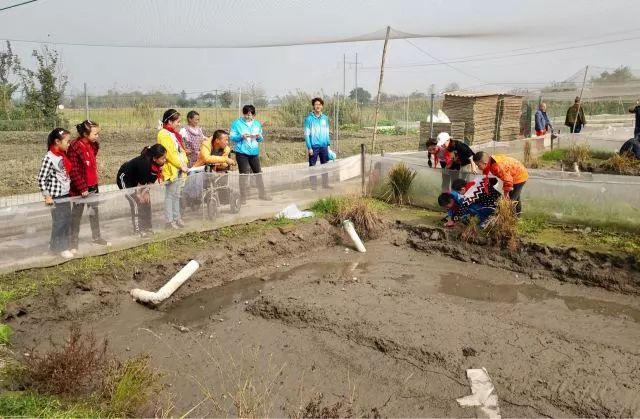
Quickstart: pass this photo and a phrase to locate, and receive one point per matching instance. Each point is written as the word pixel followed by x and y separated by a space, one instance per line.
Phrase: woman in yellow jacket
pixel 175 167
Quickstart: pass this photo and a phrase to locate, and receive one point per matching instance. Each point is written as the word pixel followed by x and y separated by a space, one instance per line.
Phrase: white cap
pixel 443 137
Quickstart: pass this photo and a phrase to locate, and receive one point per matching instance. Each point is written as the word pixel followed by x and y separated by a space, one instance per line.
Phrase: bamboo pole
pixel 584 80
pixel 377 112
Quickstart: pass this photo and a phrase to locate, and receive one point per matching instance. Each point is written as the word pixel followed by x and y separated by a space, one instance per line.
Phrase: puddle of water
pixel 201 304
pixel 478 289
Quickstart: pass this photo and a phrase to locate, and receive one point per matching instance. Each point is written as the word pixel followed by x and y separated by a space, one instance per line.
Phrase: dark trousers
pixel 60 225
pixel 514 195
pixel 576 130
pixel 140 211
pixel 323 154
pixel 140 214
pixel 76 218
pixel 448 176
pixel 246 165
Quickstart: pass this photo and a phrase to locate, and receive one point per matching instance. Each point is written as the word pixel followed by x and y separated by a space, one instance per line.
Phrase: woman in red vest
pixel 84 181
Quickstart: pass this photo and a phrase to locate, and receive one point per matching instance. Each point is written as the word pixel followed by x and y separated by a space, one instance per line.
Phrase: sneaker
pixel 74 251
pixel 180 224
pixel 243 201
pixel 171 226
pixel 66 254
pixel 101 242
pixel 146 233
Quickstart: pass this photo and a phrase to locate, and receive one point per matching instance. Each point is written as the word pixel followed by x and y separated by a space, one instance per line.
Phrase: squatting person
pixel 510 171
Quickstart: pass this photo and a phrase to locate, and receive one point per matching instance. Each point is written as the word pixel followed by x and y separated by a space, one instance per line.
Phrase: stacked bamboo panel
pixel 509 112
pixel 455 129
pixel 477 111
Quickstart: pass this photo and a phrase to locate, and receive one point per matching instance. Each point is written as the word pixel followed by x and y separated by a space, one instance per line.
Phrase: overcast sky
pixel 598 33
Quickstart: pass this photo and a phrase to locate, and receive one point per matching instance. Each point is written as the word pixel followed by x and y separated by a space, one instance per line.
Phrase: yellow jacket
pixel 176 156
pixel 206 157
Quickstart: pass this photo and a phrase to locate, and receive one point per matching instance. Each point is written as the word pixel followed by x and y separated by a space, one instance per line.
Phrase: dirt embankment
pixel 391 331
pixel 611 272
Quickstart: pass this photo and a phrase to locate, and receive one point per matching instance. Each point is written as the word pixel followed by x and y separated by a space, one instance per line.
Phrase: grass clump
pixel 578 153
pixel 33 405
pixel 399 182
pixel 502 227
pixel 79 378
pixel 471 230
pixel 5 334
pixel 129 386
pixel 363 212
pixel 625 164
pixel 558 154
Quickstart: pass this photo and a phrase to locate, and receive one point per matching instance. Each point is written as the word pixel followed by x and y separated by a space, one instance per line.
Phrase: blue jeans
pixel 172 200
pixel 323 153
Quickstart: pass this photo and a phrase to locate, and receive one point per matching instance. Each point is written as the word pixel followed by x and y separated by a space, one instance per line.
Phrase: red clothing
pixel 540 133
pixel 84 173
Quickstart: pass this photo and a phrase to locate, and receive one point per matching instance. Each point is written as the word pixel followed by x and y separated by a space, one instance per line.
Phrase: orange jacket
pixel 509 170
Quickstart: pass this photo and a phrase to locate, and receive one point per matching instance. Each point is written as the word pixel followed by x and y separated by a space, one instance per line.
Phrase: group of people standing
pixel 69 169
pixel 467 189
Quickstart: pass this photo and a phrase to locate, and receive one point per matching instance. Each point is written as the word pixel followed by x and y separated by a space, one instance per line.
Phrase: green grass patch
pixel 32 405
pixel 131 386
pixel 531 225
pixel 554 155
pixel 5 334
pixel 560 154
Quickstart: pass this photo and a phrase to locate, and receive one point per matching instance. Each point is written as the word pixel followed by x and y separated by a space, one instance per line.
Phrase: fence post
pixel 86 103
pixel 362 168
pixel 433 97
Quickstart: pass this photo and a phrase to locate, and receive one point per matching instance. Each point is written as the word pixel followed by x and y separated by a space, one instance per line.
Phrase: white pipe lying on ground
pixel 168 288
pixel 348 225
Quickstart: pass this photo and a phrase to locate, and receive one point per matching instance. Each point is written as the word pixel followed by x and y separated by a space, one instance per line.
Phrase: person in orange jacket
pixel 510 171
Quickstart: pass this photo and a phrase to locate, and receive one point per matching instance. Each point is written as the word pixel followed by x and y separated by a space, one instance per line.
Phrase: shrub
pixel 502 227
pixel 76 367
pixel 399 182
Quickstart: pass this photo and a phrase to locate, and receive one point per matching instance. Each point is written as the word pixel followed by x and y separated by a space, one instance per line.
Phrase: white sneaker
pixel 74 251
pixel 66 254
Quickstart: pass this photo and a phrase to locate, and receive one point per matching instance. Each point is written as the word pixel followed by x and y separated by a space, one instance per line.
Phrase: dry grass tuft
pixel 399 182
pixel 502 227
pixel 625 164
pixel 578 153
pixel 470 231
pixel 363 214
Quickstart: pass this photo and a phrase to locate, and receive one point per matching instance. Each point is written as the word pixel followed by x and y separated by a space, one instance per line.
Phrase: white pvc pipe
pixel 348 225
pixel 169 288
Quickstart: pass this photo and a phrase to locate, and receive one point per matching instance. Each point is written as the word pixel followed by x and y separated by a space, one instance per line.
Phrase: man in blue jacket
pixel 246 135
pixel 316 138
pixel 543 125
